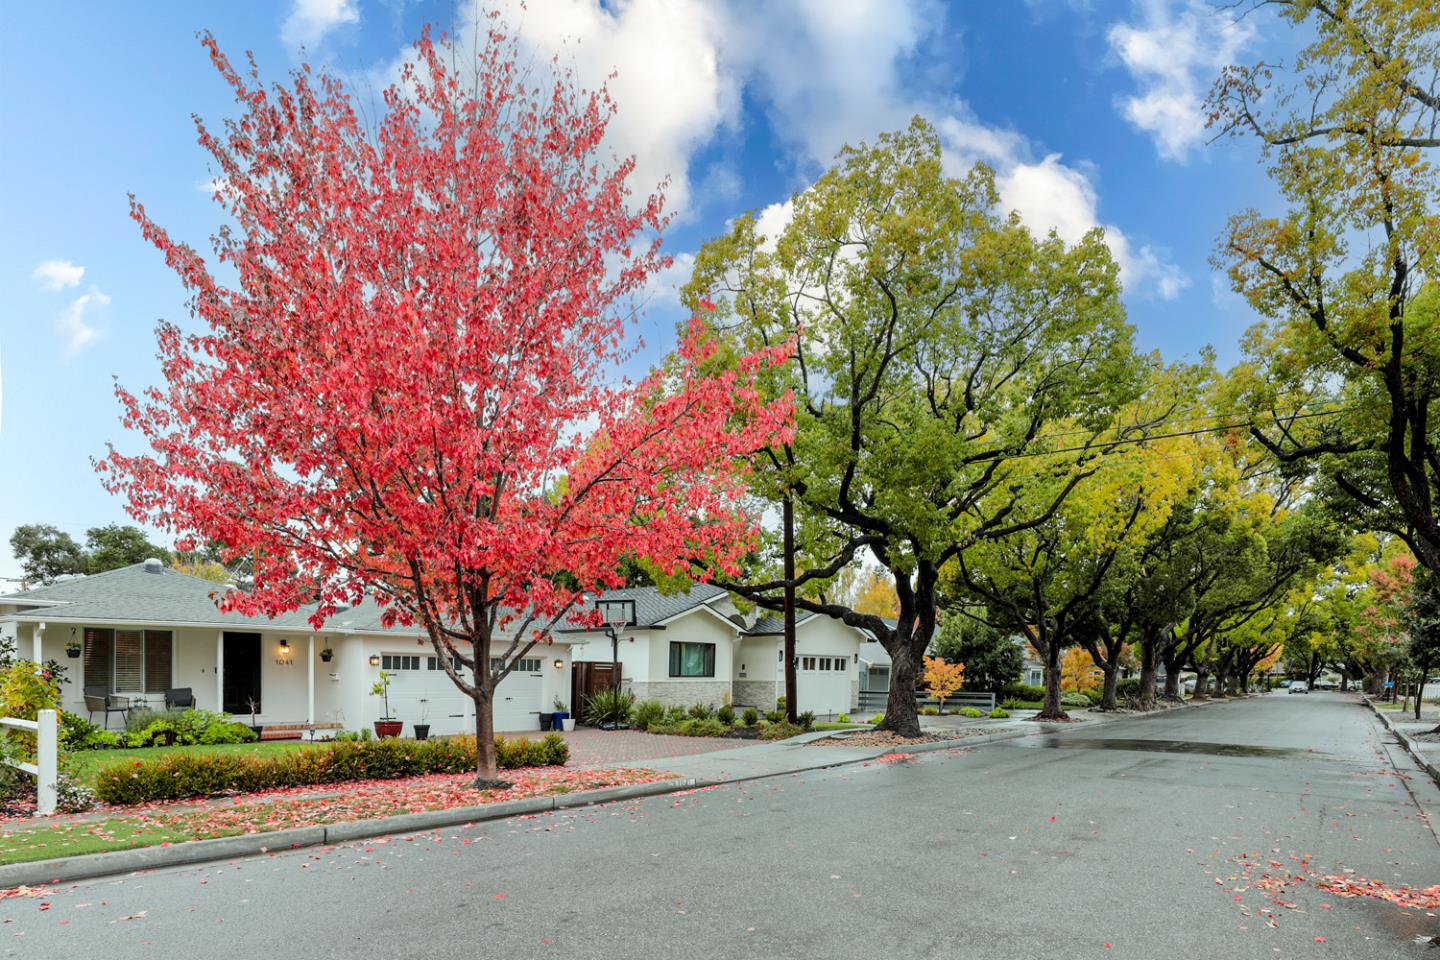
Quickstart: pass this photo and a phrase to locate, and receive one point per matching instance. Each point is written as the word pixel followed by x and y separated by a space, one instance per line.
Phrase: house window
pixel 129 661
pixel 807 663
pixel 433 663
pixel 692 659
pixel 400 661
pixel 1036 678
pixel 527 665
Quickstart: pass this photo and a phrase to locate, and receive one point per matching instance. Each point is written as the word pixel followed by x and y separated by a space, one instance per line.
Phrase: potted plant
pixel 73 649
pixel 327 655
pixel 386 726
pixel 560 719
pixel 422 729
pixel 254 708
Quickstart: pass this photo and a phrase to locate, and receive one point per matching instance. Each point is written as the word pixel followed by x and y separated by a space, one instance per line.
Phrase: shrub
pixel 648 712
pixel 726 715
pixel 26 688
pixel 179 775
pixel 971 712
pixel 777 715
pixel 708 727
pixel 1023 691
pixel 608 706
pixel 675 715
pixel 137 720
pixel 1128 689
pixel 1094 695
pixel 781 730
pixel 930 712
pixel 72 796
pixel 878 718
pixel 701 711
pixel 843 718
pixel 1074 700
pixel 750 717
pixel 999 713
pixel 77 733
pixel 807 720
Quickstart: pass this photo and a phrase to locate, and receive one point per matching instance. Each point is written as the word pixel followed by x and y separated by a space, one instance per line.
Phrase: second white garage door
pixel 518 699
pixel 823 685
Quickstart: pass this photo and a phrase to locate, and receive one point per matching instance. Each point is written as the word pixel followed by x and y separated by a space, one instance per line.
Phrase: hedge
pixel 183 775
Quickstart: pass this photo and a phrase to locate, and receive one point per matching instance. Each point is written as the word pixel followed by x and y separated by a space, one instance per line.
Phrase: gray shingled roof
pixel 773 625
pixel 136 594
pixel 653 607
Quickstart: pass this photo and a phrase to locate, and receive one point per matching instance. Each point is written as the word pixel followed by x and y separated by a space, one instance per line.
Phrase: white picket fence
pixel 45 769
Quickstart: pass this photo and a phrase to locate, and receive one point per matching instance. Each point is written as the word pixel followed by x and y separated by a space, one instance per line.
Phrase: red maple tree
pixel 406 389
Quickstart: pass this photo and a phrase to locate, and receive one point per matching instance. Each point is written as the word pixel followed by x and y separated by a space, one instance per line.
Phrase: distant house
pixel 697 647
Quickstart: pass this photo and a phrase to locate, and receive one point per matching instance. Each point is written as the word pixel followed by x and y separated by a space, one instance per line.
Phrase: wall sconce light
pixel 285 646
pixel 559 664
pixel 374 659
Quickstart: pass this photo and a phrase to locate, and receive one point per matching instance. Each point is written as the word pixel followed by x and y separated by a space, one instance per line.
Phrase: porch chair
pixel 180 697
pixel 97 700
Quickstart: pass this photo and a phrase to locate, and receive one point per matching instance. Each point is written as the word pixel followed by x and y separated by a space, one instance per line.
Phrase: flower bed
pixel 199 775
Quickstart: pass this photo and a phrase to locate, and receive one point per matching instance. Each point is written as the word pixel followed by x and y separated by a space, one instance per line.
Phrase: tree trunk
pixel 1420 689
pixel 487 775
pixel 1107 693
pixel 1147 674
pixel 902 717
pixel 1052 710
pixel 1202 681
pixel 1172 676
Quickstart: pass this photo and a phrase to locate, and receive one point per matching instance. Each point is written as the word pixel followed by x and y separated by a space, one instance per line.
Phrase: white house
pixel 142 630
pixel 696 647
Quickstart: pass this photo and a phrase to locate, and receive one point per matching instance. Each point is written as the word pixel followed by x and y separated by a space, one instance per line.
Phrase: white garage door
pixel 418 678
pixel 824 684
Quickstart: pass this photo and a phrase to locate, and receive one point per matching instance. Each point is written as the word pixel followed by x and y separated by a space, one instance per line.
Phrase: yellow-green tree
pixel 1343 374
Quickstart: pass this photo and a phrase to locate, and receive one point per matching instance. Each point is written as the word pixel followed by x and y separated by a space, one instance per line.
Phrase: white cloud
pixel 1173 54
pixel 72 323
pixel 57 274
pixel 662 64
pixel 311 20
pixel 1050 194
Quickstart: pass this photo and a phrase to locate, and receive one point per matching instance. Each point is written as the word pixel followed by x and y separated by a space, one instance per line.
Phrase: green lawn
pixel 838 726
pixel 84 765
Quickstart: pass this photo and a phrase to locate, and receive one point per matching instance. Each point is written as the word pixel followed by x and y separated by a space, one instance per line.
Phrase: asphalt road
pixel 1147 838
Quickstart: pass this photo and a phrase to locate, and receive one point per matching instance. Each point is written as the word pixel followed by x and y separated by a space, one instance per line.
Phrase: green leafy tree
pixel 113 546
pixel 45 552
pixel 935 340
pixel 1424 617
pixel 1343 376
pixel 992 658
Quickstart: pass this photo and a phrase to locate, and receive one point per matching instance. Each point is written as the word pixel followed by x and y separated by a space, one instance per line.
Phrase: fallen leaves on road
pixel 1411 898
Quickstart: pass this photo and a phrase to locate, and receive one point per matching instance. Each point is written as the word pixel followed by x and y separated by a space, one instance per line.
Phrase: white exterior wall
pixel 342 686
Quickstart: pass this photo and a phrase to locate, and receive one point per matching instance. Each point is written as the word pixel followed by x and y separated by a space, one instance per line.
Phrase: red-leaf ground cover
pixel 165 823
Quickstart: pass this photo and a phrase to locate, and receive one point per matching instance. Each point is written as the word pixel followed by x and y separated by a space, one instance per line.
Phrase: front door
pixel 242 673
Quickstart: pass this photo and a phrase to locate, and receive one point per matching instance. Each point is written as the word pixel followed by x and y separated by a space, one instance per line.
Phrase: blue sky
pixel 1090 111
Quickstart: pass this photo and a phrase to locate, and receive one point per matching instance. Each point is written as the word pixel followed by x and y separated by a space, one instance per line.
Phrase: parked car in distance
pixel 1299 686
pixel 1285 683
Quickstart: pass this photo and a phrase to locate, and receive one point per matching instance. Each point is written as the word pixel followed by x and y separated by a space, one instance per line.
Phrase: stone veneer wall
pixel 681 694
pixel 759 694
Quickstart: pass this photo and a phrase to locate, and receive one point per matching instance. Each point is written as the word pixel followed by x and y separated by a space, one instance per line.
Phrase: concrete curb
pixel 1411 747
pixel 93 865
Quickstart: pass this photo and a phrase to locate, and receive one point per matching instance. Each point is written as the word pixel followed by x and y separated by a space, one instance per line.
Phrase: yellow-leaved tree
pixel 942 679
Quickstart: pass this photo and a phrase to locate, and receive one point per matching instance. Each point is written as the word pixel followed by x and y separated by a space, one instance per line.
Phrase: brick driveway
pixel 592 747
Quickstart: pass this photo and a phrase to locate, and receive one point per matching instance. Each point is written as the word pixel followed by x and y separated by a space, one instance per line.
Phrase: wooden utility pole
pixel 791 710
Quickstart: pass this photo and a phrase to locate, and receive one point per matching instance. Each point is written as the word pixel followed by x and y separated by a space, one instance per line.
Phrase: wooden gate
pixel 588 679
